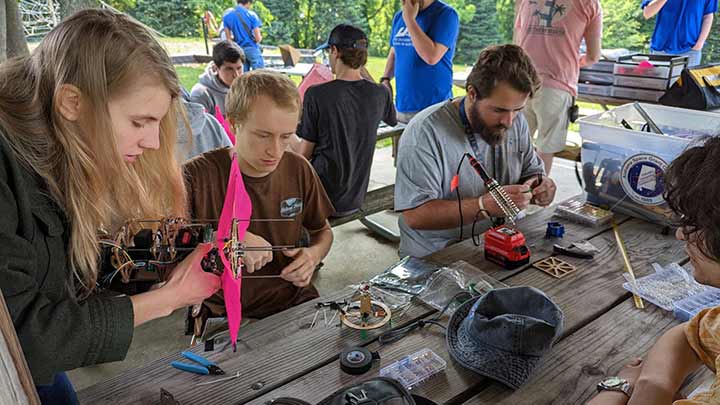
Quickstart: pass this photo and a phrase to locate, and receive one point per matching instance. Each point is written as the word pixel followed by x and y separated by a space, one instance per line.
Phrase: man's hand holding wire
pixel 542 192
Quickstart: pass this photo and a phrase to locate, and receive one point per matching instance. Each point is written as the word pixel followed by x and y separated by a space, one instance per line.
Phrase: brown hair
pixel 227 51
pixel 248 87
pixel 354 58
pixel 503 63
pixel 692 184
pixel 101 53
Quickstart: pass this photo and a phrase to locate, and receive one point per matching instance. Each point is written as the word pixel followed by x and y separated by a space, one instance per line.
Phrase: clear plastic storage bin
pixel 637 94
pixel 624 169
pixel 663 66
pixel 595 89
pixel 647 83
pixel 593 77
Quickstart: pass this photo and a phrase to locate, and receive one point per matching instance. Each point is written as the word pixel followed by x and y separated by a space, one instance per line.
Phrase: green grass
pixel 188 75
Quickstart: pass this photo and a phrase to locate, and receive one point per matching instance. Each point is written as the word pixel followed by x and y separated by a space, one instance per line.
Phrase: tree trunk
pixel 68 7
pixel 12 37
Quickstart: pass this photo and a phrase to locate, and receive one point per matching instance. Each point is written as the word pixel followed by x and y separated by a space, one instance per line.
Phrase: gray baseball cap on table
pixel 503 334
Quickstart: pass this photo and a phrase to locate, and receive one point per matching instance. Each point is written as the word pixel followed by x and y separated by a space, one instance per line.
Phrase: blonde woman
pixel 87 138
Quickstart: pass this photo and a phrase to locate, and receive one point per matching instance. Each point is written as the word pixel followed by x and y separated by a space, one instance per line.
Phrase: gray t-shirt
pixel 429 153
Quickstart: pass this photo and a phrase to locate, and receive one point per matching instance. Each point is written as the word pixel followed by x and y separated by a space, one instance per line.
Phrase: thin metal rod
pixel 266 249
pixel 198 222
pixel 270 276
pixel 251 220
pixel 651 124
pixel 232 377
pixel 245 249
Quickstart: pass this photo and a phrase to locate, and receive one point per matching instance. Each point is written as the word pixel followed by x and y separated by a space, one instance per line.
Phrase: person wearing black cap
pixel 340 119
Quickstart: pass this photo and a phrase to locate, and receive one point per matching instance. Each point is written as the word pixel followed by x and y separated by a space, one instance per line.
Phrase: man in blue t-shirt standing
pixel 422 46
pixel 681 26
pixel 243 26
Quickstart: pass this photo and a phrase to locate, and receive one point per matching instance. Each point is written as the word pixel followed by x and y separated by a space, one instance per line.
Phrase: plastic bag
pixel 409 275
pixel 446 283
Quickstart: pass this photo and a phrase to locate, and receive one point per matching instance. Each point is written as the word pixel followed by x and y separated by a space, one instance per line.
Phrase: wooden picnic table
pixel 279 356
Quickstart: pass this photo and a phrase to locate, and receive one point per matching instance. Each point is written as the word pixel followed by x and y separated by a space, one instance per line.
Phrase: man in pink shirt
pixel 550 31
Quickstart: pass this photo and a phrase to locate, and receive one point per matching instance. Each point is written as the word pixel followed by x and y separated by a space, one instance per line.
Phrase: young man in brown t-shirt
pixel 263 108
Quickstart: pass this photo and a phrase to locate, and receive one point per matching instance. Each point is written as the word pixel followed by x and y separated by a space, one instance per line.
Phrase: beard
pixel 492 135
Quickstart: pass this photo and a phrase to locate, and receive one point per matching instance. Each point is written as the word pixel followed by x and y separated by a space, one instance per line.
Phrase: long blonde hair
pixel 101 53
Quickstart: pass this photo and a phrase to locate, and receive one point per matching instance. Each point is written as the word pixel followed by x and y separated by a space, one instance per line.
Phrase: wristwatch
pixel 382 79
pixel 616 384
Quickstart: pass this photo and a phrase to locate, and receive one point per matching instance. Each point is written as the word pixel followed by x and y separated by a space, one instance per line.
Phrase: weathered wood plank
pixel 16 383
pixel 386 131
pixel 569 374
pixel 534 228
pixel 377 200
pixel 315 386
pixel 597 284
pixel 190 59
pixel 585 296
pixel 271 353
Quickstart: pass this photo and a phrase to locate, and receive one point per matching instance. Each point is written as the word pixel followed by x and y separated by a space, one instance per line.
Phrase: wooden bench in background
pixel 377 200
pixel 190 59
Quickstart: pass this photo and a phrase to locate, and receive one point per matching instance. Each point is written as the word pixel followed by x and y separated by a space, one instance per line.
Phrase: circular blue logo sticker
pixel 643 179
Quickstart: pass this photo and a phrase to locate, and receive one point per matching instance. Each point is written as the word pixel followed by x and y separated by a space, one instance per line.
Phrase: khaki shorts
pixel 547 113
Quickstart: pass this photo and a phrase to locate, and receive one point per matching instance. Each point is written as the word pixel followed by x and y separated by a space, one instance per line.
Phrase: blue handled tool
pixel 206 366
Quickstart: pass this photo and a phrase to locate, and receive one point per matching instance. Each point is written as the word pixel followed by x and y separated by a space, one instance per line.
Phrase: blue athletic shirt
pixel 678 24
pixel 231 21
pixel 420 85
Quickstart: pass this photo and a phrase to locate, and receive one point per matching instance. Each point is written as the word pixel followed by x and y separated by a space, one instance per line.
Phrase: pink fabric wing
pixel 237 205
pixel 225 125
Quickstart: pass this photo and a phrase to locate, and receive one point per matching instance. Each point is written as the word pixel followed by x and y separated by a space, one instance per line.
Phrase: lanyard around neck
pixel 469 131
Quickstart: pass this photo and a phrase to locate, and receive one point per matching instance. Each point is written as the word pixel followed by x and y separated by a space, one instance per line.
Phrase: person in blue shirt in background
pixel 422 46
pixel 681 26
pixel 243 26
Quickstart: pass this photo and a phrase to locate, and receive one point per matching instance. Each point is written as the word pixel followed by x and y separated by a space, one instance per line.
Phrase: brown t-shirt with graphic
pixel 292 191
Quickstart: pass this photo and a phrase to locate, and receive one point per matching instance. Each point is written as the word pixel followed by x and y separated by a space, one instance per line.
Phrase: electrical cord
pixel 399 333
pixel 476 236
pixel 457 191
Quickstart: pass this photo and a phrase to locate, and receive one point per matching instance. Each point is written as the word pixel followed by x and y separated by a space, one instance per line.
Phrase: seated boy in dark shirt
pixel 263 109
pixel 338 130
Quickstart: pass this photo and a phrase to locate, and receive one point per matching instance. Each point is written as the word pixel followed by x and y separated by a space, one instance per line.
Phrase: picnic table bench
pixel 280 356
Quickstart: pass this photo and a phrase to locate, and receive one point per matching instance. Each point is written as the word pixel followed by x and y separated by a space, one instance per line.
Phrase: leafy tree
pixel 479 32
pixel 68 7
pixel 624 25
pixel 12 37
pixel 506 19
pixel 122 5
pixel 175 18
pixel 711 51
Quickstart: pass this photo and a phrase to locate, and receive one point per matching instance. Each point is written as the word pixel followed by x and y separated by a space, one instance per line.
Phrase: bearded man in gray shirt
pixel 488 125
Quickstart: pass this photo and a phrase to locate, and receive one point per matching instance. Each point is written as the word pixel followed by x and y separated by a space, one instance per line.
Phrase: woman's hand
pixel 188 282
pixel 187 285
